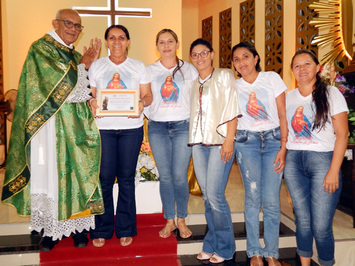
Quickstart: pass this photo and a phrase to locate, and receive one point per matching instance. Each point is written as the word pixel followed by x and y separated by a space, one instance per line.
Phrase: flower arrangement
pixel 146 169
pixel 331 77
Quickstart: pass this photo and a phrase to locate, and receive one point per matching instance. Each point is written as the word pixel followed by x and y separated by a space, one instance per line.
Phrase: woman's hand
pixel 227 150
pixel 140 110
pixel 279 162
pixel 93 106
pixel 331 182
pixel 146 99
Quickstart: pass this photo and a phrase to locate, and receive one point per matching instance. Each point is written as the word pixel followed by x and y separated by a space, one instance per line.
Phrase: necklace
pixel 209 77
pixel 200 89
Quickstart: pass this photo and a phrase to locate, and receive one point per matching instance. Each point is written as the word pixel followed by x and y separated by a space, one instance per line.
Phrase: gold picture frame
pixel 117 102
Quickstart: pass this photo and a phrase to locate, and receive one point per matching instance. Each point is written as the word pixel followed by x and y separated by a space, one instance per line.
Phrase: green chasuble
pixel 48 77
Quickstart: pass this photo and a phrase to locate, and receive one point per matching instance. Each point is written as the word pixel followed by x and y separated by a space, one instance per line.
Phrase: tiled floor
pixel 235 197
pixel 343 232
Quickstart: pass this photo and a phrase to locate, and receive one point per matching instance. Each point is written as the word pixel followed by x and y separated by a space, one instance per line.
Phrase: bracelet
pixel 142 101
pixel 91 100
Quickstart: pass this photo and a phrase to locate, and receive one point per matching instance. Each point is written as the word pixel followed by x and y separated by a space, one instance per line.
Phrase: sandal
pixel 184 231
pixel 216 259
pixel 203 256
pixel 126 241
pixel 273 261
pixel 256 260
pixel 98 242
pixel 167 230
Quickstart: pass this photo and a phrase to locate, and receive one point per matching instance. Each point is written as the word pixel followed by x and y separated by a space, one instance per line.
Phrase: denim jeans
pixel 212 176
pixel 255 153
pixel 120 150
pixel 172 156
pixel 314 208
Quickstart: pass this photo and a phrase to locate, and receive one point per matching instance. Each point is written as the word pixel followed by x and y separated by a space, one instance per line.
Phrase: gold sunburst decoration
pixel 329 20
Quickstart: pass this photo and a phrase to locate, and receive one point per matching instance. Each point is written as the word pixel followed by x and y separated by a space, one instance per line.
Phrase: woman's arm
pixel 341 130
pixel 146 98
pixel 279 162
pixel 227 146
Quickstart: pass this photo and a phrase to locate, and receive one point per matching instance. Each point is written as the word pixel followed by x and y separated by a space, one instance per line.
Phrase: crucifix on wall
pixel 112 11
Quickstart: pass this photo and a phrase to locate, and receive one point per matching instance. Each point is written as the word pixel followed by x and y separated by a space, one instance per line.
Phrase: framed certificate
pixel 117 102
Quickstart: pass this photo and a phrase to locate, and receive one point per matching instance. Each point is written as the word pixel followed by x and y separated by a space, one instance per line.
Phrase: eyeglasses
pixel 203 54
pixel 69 24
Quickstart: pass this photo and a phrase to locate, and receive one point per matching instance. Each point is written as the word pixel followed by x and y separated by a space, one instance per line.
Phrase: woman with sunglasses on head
pixel 314 158
pixel 260 150
pixel 121 137
pixel 168 127
pixel 213 121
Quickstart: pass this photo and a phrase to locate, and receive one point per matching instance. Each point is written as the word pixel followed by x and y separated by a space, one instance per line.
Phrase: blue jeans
pixel 172 156
pixel 256 152
pixel 212 176
pixel 120 150
pixel 314 208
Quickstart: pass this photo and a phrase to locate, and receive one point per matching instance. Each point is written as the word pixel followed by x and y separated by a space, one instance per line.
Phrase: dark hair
pixel 121 27
pixel 250 48
pixel 201 41
pixel 319 94
pixel 180 62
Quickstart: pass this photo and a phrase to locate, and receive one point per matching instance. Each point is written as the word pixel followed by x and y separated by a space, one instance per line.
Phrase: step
pixel 193 245
pixel 14 244
pixel 287 255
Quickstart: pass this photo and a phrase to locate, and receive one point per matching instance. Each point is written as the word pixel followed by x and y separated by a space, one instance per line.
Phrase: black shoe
pixel 47 243
pixel 80 239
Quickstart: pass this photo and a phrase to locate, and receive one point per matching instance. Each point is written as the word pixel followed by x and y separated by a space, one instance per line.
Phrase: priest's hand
pixel 92 53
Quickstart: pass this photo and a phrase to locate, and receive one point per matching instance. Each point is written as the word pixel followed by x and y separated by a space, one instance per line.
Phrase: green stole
pixel 48 77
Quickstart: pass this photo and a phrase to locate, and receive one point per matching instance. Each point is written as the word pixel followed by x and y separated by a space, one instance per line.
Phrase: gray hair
pixel 60 11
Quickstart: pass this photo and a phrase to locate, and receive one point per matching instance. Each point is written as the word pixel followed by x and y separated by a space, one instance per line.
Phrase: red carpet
pixel 147 249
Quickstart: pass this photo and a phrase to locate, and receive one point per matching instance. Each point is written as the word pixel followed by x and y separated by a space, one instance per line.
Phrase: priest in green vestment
pixel 52 171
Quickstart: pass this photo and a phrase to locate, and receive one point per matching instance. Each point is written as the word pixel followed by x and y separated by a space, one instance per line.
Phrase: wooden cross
pixel 113 12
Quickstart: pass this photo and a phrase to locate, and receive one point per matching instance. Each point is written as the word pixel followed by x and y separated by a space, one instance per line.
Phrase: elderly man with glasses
pixel 52 172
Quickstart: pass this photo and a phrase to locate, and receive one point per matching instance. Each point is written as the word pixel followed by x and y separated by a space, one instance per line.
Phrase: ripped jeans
pixel 255 154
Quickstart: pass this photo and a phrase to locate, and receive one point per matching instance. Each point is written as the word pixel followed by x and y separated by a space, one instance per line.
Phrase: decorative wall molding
pixel 225 38
pixel 247 21
pixel 274 35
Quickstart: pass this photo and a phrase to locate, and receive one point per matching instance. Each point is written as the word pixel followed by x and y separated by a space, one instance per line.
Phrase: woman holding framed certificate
pixel 168 129
pixel 121 135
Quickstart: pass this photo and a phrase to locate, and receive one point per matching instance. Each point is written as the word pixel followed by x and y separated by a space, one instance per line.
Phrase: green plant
pixel 351 117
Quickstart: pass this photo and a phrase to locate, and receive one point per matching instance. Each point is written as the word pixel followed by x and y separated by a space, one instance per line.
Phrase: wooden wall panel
pixel 305 32
pixel 274 35
pixel 225 38
pixel 207 29
pixel 247 21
